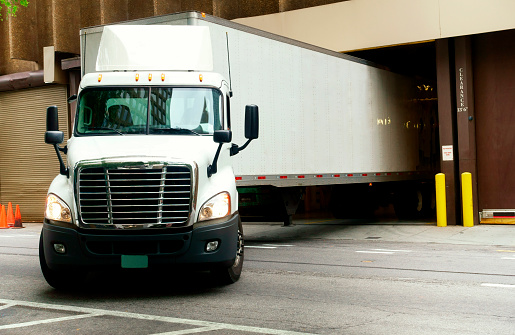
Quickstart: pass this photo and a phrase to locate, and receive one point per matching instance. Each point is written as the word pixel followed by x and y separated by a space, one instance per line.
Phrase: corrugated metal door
pixel 27 164
pixel 494 87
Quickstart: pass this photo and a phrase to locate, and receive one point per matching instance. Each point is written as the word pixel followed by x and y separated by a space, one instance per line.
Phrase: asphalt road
pixel 305 279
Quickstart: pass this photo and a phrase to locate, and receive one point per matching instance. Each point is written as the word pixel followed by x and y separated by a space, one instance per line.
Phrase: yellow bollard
pixel 466 198
pixel 441 205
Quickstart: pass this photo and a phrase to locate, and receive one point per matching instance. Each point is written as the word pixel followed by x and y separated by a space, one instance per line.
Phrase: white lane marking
pixel 21 235
pixel 391 250
pixel 508 258
pixel 40 322
pixel 191 331
pixel 7 306
pixel 279 245
pixel 375 252
pixel 498 285
pixel 95 312
pixel 259 247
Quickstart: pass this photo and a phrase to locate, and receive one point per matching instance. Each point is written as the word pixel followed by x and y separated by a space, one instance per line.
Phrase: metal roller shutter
pixel 27 164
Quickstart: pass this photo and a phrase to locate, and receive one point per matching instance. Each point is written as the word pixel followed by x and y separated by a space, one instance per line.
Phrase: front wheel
pixel 230 275
pixel 59 279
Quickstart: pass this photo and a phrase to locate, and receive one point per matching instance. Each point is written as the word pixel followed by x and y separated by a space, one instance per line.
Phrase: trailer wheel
pixel 414 202
pixel 230 275
pixel 60 280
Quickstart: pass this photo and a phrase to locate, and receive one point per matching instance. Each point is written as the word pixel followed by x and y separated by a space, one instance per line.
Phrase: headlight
pixel 56 209
pixel 216 207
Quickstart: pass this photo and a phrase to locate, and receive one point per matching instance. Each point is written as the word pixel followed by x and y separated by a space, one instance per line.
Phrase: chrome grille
pixel 130 196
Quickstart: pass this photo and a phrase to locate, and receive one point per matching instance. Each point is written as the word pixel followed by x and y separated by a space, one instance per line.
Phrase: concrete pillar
pixel 140 8
pixel 162 7
pixel 112 11
pixel 466 124
pixel 66 25
pixel 447 125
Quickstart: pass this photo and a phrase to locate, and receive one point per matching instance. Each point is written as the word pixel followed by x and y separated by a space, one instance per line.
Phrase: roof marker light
pixel 137 76
pixel 162 77
pixel 100 77
pixel 200 77
pixel 203 14
pixel 150 77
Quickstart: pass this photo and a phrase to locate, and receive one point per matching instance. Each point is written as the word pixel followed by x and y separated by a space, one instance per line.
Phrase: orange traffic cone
pixel 17 218
pixel 10 216
pixel 3 218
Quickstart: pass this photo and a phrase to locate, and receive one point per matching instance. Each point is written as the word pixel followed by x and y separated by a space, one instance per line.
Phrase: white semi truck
pixel 152 165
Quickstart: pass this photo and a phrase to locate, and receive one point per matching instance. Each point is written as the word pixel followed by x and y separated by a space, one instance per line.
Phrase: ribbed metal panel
pixel 131 195
pixel 27 164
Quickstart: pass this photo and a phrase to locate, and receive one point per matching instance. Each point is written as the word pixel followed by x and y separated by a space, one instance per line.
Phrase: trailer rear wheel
pixel 414 202
pixel 59 279
pixel 230 275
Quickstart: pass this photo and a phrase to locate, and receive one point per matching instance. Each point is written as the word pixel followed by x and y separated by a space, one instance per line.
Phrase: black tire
pixel 231 275
pixel 415 202
pixel 60 280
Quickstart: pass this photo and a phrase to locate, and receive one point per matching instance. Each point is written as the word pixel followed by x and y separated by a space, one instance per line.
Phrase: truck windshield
pixel 149 110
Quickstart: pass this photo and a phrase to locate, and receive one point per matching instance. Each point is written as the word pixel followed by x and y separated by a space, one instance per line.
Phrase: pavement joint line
pixel 40 322
pixel 279 245
pixel 391 250
pixel 90 312
pixel 375 252
pixel 191 331
pixel 498 285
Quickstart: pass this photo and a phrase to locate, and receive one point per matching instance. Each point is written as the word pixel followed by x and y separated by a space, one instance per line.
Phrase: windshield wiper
pixel 107 128
pixel 177 130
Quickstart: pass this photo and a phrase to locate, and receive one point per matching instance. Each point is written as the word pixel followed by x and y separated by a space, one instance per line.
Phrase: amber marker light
pixel 162 77
pixel 200 77
pixel 203 14
pixel 99 77
pixel 150 77
pixel 137 76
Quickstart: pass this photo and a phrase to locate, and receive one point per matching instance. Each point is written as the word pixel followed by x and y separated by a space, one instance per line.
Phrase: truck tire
pixel 60 280
pixel 230 275
pixel 414 202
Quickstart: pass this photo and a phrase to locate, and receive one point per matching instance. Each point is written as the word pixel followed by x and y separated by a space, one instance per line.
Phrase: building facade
pixel 463 50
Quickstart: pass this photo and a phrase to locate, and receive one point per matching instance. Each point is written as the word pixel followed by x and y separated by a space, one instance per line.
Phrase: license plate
pixel 134 261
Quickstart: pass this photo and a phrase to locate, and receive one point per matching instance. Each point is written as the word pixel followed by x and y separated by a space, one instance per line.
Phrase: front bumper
pixel 100 249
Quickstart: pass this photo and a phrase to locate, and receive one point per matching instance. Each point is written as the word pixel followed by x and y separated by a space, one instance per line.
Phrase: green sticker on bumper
pixel 134 261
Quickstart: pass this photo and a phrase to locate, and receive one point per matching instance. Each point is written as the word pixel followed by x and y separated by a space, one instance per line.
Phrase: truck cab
pixel 148 180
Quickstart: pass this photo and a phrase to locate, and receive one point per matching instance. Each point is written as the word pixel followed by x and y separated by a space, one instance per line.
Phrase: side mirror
pixel 222 136
pixel 251 122
pixel 52 134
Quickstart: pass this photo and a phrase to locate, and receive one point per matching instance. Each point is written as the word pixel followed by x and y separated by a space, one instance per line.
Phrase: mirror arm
pixel 212 169
pixel 62 167
pixel 63 150
pixel 235 149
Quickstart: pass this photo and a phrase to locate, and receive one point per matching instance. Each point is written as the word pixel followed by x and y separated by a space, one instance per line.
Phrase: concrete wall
pixel 361 24
pixel 57 22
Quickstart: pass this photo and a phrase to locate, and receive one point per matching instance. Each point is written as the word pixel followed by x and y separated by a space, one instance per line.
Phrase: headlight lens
pixel 56 209
pixel 216 207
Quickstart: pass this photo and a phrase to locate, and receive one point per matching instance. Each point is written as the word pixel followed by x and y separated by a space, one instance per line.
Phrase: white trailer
pixel 326 118
pixel 152 170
